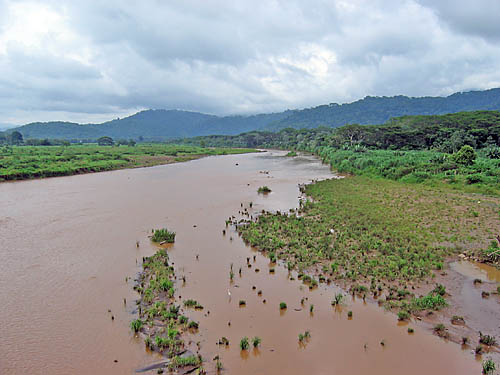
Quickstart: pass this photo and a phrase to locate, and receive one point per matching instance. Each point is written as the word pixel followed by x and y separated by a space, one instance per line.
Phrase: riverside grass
pixel 373 231
pixel 28 162
pixel 426 167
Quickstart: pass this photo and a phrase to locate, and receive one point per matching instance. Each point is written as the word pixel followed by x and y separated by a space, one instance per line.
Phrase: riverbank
pixel 389 242
pixel 30 162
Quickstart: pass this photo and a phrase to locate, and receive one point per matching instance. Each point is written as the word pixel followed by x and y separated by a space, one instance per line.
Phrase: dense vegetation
pixel 410 149
pixel 446 133
pixel 24 162
pixel 156 125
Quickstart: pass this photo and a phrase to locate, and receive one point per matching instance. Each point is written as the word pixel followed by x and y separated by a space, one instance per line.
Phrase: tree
pixel 465 156
pixel 105 141
pixel 16 138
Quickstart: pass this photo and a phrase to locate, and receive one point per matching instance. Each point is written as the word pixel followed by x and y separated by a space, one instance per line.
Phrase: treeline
pixel 461 150
pixel 16 139
pixel 445 133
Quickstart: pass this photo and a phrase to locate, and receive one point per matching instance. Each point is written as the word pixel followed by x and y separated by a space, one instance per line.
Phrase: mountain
pixel 163 124
pixel 157 124
pixel 378 110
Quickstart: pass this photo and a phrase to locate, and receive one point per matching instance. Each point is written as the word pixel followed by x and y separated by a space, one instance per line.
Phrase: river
pixel 69 257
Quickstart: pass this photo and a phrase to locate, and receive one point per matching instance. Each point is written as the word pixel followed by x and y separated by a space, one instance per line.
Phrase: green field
pixel 26 162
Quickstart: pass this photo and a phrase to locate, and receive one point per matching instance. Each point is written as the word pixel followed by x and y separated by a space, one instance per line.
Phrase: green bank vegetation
pixel 159 313
pixel 163 236
pixel 27 162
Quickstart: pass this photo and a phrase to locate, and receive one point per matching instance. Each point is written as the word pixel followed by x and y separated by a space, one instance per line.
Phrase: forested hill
pixel 378 110
pixel 151 125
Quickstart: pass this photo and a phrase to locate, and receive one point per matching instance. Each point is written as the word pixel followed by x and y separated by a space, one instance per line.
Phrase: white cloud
pixel 93 60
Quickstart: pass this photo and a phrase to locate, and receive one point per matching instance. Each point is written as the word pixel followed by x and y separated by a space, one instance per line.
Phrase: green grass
pixel 157 309
pixel 244 343
pixel 27 162
pixel 431 168
pixel 373 232
pixel 163 235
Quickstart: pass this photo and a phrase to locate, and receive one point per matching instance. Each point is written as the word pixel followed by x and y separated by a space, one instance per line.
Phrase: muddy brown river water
pixel 68 244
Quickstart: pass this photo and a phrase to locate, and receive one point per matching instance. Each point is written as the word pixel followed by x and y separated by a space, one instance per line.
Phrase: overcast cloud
pixel 91 61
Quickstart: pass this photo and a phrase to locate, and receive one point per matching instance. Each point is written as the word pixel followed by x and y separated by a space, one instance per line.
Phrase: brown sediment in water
pixel 81 234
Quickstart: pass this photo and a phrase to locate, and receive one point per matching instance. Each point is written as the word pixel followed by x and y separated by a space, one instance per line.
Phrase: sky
pixel 92 61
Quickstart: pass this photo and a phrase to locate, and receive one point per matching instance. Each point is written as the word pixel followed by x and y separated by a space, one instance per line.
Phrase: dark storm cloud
pixel 479 17
pixel 95 60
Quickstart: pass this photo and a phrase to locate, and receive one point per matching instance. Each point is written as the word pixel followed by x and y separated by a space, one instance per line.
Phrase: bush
pixel 465 156
pixel 282 305
pixel 473 179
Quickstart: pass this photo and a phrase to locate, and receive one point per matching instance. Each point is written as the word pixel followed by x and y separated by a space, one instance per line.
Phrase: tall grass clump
pixel 163 235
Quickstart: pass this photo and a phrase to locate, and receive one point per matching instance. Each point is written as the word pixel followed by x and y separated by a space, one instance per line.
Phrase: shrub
pixel 465 156
pixel 282 305
pixel 193 325
pixel 473 179
pixel 349 314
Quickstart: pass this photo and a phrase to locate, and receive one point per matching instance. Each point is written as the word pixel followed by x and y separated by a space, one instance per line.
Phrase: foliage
pixel 264 190
pixel 105 141
pixel 256 341
pixel 136 325
pixel 163 235
pixel 428 302
pixel 244 343
pixel 282 305
pixel 465 156
pixel 487 339
pixel 489 366
pixel 403 315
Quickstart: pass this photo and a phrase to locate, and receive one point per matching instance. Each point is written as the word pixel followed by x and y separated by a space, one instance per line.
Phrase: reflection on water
pixel 476 270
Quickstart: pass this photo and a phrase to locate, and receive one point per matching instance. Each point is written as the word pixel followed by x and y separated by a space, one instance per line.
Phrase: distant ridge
pixel 161 124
